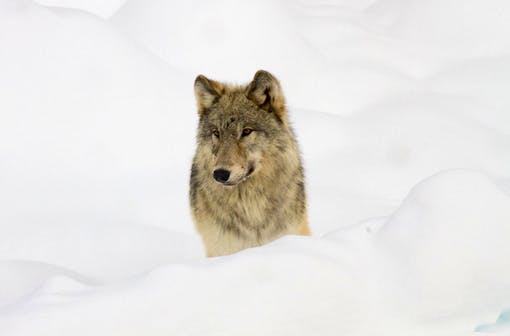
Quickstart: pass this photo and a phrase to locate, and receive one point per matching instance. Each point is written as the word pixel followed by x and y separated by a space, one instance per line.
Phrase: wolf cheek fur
pixel 247 183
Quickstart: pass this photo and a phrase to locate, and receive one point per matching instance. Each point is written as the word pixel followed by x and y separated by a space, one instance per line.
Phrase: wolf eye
pixel 216 133
pixel 246 131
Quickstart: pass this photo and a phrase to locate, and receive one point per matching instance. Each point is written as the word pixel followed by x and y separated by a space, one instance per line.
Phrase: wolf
pixel 247 183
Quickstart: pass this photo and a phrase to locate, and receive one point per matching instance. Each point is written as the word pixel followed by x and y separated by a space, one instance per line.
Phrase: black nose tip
pixel 221 175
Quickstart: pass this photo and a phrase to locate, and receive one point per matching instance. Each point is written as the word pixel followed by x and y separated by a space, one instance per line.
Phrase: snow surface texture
pixel 401 109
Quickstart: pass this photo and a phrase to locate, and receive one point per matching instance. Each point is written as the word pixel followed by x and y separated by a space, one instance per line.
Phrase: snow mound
pixel 87 158
pixel 102 8
pixel 473 29
pixel 450 238
pixel 419 271
pixel 501 324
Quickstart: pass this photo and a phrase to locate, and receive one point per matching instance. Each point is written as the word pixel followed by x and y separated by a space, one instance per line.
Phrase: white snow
pixel 401 110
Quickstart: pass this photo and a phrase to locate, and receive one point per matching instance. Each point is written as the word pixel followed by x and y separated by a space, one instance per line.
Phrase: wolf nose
pixel 221 175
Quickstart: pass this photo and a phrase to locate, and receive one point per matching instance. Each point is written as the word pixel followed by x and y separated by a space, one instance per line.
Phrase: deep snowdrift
pixel 97 123
pixel 439 265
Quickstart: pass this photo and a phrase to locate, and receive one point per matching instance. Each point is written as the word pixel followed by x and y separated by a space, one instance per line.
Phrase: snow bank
pixel 428 269
pixel 474 28
pixel 360 166
pixel 501 324
pixel 87 155
pixel 102 8
pixel 450 238
pixel 353 53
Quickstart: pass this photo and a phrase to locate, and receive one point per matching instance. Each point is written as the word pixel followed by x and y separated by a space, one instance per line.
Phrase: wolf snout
pixel 221 175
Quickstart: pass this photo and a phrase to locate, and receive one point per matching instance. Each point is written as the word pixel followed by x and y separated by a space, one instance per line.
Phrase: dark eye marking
pixel 216 133
pixel 246 131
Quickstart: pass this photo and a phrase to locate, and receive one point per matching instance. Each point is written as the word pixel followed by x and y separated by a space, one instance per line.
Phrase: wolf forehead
pixel 233 109
pixel 234 104
pixel 257 100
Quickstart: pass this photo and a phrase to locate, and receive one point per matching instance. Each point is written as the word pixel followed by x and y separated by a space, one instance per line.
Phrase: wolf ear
pixel 265 91
pixel 207 92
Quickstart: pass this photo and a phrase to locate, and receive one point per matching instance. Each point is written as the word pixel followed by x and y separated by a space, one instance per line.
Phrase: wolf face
pixel 239 125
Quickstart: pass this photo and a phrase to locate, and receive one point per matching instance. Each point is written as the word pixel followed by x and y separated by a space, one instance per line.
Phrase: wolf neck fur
pixel 255 198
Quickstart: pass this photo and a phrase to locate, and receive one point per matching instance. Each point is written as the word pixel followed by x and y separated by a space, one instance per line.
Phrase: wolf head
pixel 240 126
